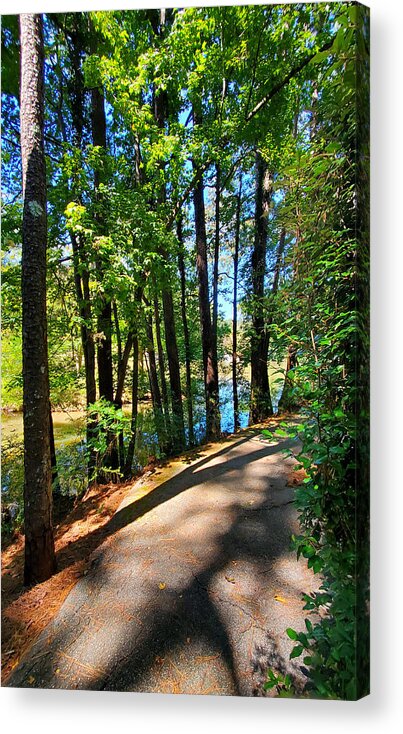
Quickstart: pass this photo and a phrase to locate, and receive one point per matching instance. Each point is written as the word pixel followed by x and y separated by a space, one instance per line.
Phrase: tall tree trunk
pixel 117 332
pixel 186 335
pixel 161 365
pixel 154 385
pixel 174 369
pixel 118 400
pixel 215 264
pixel 260 405
pixel 81 283
pixel 135 396
pixel 104 318
pixel 90 382
pixel 235 308
pixel 76 92
pixel 104 321
pixel 137 350
pixel 122 369
pixel 40 560
pixel 213 422
pixel 123 358
pixel 160 114
pixel 287 403
pixel 213 428
pixel 274 288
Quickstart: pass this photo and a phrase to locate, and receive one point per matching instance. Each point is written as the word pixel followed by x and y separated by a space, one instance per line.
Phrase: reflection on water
pixel 69 426
pixel 227 406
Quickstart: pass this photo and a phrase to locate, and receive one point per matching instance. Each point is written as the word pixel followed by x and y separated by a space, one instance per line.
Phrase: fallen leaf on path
pixel 230 579
pixel 161 585
pixel 280 598
pixel 31 680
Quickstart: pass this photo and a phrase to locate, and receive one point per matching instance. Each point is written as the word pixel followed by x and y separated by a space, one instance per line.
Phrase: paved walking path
pixel 194 587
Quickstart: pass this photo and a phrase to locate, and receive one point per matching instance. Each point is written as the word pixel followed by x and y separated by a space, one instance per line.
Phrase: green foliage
pixel 12 483
pixel 282 683
pixel 326 315
pixel 10 66
pixel 72 469
pixel 110 422
pixel 11 359
pixel 72 476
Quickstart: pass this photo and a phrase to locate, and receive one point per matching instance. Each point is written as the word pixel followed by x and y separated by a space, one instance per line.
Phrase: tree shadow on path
pixel 197 637
pixel 183 480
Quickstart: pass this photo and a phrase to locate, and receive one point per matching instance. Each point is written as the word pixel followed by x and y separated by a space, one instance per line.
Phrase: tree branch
pixel 186 193
pixel 280 85
pixel 254 70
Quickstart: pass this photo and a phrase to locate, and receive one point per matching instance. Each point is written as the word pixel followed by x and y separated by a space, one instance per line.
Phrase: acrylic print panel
pixel 191 516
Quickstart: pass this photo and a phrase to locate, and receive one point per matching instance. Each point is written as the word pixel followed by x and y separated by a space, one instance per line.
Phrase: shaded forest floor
pixel 27 611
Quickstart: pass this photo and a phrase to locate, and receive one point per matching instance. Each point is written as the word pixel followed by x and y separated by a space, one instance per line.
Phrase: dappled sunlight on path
pixel 192 590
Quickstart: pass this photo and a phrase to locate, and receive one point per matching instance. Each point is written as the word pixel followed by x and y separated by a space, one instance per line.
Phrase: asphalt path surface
pixel 194 587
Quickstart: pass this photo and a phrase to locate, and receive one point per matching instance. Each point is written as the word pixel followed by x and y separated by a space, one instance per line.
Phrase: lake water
pixel 69 425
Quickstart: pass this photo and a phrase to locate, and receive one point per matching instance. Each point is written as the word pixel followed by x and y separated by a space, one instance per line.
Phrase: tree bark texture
pixel 260 405
pixel 122 369
pixel 274 288
pixel 104 317
pixel 287 402
pixel 104 321
pixel 174 369
pixel 40 561
pixel 135 396
pixel 189 397
pixel 213 428
pixel 160 116
pixel 215 264
pixel 81 283
pixel 161 365
pixel 76 92
pixel 123 361
pixel 235 307
pixel 154 385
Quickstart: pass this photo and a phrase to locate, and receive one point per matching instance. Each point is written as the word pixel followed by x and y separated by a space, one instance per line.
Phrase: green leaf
pixel 339 413
pixel 309 625
pixel 296 652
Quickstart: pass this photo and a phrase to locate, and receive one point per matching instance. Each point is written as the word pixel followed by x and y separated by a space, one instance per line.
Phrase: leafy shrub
pixel 72 475
pixel 12 484
pixel 326 317
pixel 109 424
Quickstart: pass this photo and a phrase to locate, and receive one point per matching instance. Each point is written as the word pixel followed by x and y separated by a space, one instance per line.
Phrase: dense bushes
pixel 326 316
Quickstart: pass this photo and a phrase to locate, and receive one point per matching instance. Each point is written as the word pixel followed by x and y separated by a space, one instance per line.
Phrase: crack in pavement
pixel 230 602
